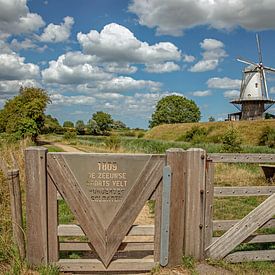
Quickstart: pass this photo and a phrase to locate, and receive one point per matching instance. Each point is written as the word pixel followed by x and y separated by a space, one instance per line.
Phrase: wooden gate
pixel 105 193
pixel 244 230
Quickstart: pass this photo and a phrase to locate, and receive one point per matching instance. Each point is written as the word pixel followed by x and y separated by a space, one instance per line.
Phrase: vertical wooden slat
pixel 36 205
pixel 176 160
pixel 194 215
pixel 53 245
pixel 209 198
pixel 158 197
pixel 16 210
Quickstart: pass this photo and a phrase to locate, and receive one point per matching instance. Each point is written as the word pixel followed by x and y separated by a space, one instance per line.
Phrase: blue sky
pixel 122 56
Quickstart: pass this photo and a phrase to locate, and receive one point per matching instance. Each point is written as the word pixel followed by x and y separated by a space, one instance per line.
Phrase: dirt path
pixel 65 147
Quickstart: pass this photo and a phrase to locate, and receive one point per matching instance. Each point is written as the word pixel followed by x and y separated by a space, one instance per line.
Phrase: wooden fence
pixel 190 225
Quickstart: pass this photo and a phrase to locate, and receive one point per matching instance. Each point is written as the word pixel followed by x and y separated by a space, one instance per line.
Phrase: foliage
pixel 175 109
pixel 117 124
pixel 24 115
pixel 68 124
pixel 104 122
pixel 267 137
pixel 269 116
pixel 70 135
pixel 92 128
pixel 51 126
pixel 231 141
pixel 80 127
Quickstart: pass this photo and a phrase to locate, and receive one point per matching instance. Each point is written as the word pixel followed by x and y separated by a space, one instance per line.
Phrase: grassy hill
pixel 249 131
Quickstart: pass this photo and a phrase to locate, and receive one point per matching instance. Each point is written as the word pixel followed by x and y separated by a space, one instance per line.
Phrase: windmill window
pixel 249 94
pixel 256 85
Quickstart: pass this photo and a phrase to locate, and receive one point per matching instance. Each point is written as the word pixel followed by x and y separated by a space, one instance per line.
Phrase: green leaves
pixel 175 109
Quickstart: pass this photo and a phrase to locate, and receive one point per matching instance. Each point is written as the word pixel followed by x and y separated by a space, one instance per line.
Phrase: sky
pixel 122 57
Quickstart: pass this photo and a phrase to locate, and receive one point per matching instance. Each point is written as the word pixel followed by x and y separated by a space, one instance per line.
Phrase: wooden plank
pixel 176 159
pixel 93 265
pixel 223 225
pixel 270 238
pixel 16 211
pixel 243 229
pixel 36 205
pixel 75 230
pixel 158 208
pixel 70 190
pixel 248 256
pixel 209 198
pixel 244 191
pixel 133 203
pixel 53 246
pixel 195 202
pixel 245 158
pixel 84 246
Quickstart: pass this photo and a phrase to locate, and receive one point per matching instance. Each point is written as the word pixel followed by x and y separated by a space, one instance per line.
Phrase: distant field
pixel 250 131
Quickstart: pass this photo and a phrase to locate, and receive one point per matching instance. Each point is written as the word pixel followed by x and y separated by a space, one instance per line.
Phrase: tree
pixel 175 109
pixel 24 115
pixel 80 127
pixel 68 124
pixel 117 124
pixel 51 125
pixel 92 128
pixel 104 122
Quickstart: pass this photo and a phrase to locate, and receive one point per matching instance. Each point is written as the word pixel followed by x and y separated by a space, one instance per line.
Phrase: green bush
pixel 267 137
pixel 231 141
pixel 69 135
pixel 195 135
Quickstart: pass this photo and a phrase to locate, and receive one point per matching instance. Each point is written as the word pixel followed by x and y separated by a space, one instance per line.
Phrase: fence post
pixel 16 210
pixel 175 158
pixel 195 203
pixel 36 205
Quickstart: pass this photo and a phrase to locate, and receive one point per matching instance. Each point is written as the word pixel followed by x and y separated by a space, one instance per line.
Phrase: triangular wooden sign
pixel 106 192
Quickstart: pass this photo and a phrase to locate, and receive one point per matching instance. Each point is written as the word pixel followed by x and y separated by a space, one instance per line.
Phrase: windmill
pixel 254 99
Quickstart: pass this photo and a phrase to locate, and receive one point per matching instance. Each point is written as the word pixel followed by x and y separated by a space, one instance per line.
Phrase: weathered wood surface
pixel 120 265
pixel 246 158
pixel 105 241
pixel 75 230
pixel 36 205
pixel 223 225
pixel 209 198
pixel 243 229
pixel 176 160
pixel 16 211
pixel 85 246
pixel 270 238
pixel 248 256
pixel 195 203
pixel 53 247
pixel 244 191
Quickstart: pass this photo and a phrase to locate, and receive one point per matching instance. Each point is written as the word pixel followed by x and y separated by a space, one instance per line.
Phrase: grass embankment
pixel 249 131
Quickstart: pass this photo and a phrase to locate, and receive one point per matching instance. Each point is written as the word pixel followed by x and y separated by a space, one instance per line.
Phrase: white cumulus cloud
pixel 13 67
pixel 57 33
pixel 231 94
pixel 15 17
pixel 202 93
pixel 174 16
pixel 162 67
pixel 213 53
pixel 223 83
pixel 116 43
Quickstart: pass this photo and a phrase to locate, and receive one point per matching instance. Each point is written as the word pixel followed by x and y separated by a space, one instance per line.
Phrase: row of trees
pixel 24 115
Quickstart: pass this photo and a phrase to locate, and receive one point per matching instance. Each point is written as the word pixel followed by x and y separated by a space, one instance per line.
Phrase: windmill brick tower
pixel 254 99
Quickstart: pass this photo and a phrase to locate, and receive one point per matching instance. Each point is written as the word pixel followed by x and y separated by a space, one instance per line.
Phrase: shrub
pixel 69 135
pixel 195 135
pixel 231 141
pixel 267 137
